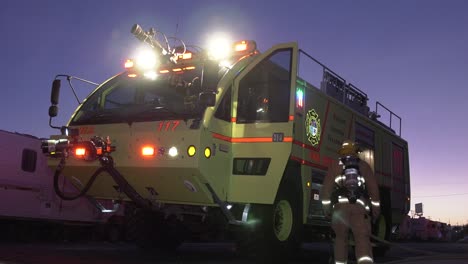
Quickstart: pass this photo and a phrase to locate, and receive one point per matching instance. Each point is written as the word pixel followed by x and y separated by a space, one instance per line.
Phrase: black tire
pixel 151 232
pixel 144 229
pixel 114 233
pixel 273 232
pixel 382 227
pixel 130 223
pixel 382 230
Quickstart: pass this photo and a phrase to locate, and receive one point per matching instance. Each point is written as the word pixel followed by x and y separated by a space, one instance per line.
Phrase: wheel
pixel 381 230
pixel 114 233
pixel 150 231
pixel 144 229
pixel 130 223
pixel 282 220
pixel 273 232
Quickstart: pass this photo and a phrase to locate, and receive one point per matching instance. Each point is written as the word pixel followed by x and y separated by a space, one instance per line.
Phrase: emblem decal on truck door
pixel 313 129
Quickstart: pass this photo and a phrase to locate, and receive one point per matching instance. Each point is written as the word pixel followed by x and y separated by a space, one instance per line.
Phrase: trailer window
pixel 264 92
pixel 28 161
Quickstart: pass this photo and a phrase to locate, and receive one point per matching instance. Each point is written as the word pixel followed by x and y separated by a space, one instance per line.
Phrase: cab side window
pixel 224 109
pixel 264 92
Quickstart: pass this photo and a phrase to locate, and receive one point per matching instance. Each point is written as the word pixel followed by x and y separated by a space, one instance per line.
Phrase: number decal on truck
pixel 168 125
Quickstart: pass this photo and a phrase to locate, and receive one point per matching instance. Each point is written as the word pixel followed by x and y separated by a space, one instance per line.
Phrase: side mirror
pixel 53 111
pixel 54 96
pixel 207 99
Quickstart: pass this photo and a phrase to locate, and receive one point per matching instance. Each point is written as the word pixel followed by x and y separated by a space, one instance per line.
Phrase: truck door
pixel 262 124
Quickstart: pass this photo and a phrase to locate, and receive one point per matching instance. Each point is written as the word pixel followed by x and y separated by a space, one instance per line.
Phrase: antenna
pixel 177 27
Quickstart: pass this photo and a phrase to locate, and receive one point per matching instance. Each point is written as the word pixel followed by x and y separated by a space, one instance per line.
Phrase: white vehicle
pixel 27 193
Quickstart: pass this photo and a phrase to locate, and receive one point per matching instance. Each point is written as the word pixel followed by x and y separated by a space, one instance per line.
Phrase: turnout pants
pixel 352 216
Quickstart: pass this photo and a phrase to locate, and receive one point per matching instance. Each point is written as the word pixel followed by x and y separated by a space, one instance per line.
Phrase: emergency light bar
pixel 236 49
pixel 245 45
pixel 221 50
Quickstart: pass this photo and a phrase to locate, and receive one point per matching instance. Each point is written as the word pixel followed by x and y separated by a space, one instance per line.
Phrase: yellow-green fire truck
pixel 204 141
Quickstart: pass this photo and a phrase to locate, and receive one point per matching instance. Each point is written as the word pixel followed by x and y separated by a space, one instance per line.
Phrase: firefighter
pixel 350 196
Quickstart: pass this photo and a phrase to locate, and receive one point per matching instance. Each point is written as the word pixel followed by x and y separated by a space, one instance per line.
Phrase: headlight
pixel 173 152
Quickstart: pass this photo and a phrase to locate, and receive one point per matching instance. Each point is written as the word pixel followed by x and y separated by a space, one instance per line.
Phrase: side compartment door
pixel 400 186
pixel 262 127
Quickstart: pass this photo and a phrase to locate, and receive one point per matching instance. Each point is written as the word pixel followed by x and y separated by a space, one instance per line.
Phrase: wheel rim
pixel 283 220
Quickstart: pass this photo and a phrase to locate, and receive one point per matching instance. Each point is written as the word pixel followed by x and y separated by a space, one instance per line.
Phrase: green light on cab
pixel 299 98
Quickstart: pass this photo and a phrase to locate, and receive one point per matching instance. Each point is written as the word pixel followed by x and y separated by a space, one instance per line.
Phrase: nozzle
pixel 143 36
pixel 138 32
pixel 52 147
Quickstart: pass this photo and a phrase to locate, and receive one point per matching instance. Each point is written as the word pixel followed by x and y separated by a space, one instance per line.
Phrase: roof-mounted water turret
pixel 150 38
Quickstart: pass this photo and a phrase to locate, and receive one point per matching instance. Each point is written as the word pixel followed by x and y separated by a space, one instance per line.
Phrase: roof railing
pixel 336 86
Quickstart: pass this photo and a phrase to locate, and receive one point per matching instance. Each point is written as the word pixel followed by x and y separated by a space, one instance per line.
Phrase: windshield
pixel 126 98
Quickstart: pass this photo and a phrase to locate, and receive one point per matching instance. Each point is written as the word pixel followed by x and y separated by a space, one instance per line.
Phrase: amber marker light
pixel 186 56
pixel 241 46
pixel 147 151
pixel 191 151
pixel 129 64
pixel 207 152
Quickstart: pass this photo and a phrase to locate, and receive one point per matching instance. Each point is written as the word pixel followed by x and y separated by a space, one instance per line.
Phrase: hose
pixel 440 258
pixel 88 185
pixel 106 166
pixel 388 243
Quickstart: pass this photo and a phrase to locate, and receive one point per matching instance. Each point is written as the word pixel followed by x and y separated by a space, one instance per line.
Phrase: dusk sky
pixel 410 55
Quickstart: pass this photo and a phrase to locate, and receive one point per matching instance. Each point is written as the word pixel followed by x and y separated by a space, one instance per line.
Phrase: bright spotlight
pixel 146 59
pixel 219 46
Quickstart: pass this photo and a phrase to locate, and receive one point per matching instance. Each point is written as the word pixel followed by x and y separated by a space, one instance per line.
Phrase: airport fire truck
pixel 207 140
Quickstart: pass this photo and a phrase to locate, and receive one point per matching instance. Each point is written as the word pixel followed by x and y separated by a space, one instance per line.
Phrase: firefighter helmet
pixel 349 148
